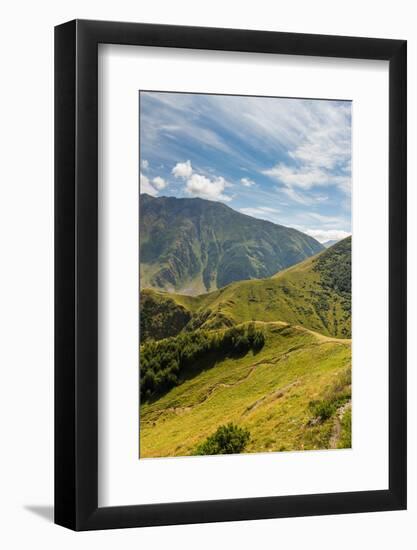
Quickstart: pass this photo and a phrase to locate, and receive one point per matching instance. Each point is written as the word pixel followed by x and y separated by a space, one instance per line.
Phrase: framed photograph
pixel 230 244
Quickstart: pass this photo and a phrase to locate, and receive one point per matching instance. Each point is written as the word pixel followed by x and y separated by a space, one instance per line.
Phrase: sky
pixel 285 160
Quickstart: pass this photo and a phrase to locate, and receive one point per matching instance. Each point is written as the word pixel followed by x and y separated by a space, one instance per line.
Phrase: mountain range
pixel 193 246
pixel 292 393
pixel 244 325
pixel 315 294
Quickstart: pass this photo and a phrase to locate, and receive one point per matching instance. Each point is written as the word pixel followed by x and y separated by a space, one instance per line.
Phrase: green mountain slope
pixel 293 394
pixel 161 316
pixel 191 246
pixel 315 294
pixel 282 372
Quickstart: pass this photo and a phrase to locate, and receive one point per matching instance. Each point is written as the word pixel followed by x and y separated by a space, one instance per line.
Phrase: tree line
pixel 164 363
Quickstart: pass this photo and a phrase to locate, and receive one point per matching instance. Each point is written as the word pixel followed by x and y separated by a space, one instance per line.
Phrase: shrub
pixel 322 409
pixel 336 395
pixel 258 341
pixel 228 439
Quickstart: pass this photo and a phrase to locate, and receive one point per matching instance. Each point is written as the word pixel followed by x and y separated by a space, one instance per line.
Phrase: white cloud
pixel 177 117
pixel 199 185
pixel 268 209
pixel 247 182
pixel 314 133
pixel 182 170
pixel 306 177
pixel 294 196
pixel 323 235
pixel 321 198
pixel 146 186
pixel 319 143
pixel 207 188
pixel 159 183
pixel 325 151
pixel 145 164
pixel 303 178
pixel 308 142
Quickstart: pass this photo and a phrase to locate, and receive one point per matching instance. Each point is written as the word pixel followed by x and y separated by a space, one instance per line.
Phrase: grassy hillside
pixel 161 316
pixel 293 394
pixel 191 246
pixel 315 294
pixel 168 362
pixel 264 362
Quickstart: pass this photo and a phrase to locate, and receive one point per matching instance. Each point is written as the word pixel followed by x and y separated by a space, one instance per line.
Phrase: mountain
pixel 271 356
pixel 315 294
pixel 192 246
pixel 328 244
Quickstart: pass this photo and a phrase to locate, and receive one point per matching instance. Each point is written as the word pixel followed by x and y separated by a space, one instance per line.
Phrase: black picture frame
pixel 76 272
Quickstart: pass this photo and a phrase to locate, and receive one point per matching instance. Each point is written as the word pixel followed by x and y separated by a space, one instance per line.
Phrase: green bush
pixel 228 439
pixel 336 395
pixel 322 409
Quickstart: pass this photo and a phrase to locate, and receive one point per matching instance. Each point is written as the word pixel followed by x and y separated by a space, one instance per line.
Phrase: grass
pixel 345 440
pixel 161 316
pixel 268 393
pixel 304 294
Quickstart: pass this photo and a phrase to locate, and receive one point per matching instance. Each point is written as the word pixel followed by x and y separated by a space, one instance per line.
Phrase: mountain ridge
pixel 192 245
pixel 315 294
pixel 200 368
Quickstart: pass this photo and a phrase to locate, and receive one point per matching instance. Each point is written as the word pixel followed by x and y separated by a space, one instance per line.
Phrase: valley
pixel 291 391
pixel 193 246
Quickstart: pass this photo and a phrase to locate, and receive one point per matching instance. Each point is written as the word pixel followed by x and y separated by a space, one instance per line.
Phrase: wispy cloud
pixel 292 152
pixel 322 155
pixel 176 117
pixel 295 196
pixel 262 212
pixel 247 182
pixel 306 177
pixel 324 219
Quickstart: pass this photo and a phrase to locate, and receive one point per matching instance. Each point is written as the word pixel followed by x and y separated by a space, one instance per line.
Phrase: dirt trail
pixel 318 335
pixel 323 338
pixel 276 394
pixel 154 416
pixel 337 427
pixel 180 410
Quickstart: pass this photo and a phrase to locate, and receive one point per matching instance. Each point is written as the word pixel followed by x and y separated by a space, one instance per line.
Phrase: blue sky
pixel 280 159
